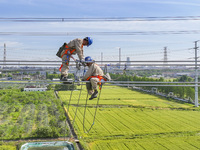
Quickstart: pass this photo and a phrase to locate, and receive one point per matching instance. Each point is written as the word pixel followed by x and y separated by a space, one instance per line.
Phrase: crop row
pixel 42 115
pixel 131 122
pixel 176 129
pixel 25 121
pixel 165 143
pixel 113 95
pixel 38 114
pixel 128 119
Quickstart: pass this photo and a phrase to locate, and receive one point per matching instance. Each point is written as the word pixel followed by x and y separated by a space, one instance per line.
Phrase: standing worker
pixel 94 74
pixel 73 47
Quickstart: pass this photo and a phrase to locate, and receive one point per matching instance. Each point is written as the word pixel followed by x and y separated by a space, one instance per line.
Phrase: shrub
pixel 44 132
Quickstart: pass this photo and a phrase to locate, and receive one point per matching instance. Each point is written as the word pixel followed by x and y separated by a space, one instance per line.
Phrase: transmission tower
pixel 196 75
pixel 4 56
pixel 119 57
pixel 165 56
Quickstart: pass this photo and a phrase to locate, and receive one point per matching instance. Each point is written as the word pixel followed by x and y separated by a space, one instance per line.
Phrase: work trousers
pixel 92 85
pixel 65 68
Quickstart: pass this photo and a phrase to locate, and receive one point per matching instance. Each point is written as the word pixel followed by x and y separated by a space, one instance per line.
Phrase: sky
pixel 143 39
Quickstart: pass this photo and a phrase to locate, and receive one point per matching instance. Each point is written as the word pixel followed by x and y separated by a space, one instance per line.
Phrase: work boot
pixel 94 95
pixel 62 78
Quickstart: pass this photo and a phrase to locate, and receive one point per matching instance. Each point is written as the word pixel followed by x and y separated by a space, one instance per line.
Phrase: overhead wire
pixel 95 19
pixel 98 33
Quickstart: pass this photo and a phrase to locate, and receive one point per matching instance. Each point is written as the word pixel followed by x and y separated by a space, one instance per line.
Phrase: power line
pixel 140 61
pixel 124 83
pixel 98 33
pixel 59 19
pixel 112 65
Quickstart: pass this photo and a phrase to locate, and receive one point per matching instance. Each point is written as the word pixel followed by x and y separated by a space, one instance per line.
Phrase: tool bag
pixel 60 50
pixel 107 77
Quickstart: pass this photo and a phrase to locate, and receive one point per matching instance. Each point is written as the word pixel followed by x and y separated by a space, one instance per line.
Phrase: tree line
pixel 179 91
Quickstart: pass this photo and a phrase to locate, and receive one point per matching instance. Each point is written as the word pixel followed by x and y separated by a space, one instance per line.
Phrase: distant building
pixel 33 88
pixel 128 62
pixel 55 79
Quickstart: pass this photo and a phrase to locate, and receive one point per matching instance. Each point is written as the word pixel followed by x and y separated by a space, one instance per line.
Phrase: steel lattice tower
pixel 165 56
pixel 4 56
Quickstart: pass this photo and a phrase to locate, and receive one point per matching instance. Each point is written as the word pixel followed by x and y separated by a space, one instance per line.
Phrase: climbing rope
pixel 75 76
pixel 78 69
pixel 75 114
pixel 124 73
pixel 84 128
pixel 77 105
pixel 70 98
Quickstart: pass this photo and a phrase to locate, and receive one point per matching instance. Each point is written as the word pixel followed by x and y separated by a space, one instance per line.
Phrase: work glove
pixel 83 62
pixel 78 65
pixel 77 61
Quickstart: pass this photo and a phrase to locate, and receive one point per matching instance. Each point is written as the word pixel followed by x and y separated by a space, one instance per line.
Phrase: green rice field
pixel 129 119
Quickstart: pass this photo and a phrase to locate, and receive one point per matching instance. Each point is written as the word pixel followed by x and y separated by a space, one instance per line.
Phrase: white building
pixel 35 89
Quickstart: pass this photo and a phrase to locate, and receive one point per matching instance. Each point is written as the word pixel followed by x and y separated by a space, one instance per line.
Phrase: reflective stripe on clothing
pixel 68 52
pixel 99 77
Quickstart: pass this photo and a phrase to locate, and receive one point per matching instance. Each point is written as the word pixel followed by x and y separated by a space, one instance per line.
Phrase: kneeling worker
pixel 94 75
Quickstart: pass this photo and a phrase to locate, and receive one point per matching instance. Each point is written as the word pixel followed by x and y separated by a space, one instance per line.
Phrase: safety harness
pixel 100 79
pixel 68 52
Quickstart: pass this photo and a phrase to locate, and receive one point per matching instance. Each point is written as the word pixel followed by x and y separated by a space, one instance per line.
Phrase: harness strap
pixel 67 52
pixel 99 77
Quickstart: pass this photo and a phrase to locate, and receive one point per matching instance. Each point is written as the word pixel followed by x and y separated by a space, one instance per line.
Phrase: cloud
pixel 11 43
pixel 188 3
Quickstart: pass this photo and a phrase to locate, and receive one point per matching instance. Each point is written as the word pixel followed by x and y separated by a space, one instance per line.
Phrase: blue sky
pixel 97 8
pixel 138 47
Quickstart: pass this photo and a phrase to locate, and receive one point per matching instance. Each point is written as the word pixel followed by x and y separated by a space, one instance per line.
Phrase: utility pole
pixel 196 76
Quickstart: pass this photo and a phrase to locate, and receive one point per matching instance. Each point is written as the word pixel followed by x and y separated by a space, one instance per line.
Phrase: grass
pixel 7 147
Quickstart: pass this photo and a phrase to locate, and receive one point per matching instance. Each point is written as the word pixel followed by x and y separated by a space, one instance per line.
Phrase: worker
pixel 73 47
pixel 94 74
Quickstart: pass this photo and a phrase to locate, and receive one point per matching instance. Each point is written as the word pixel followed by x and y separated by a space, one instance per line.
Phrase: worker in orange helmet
pixel 73 47
pixel 94 74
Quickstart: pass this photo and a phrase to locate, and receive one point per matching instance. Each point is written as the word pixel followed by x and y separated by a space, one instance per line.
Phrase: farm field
pixel 30 115
pixel 112 95
pixel 128 119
